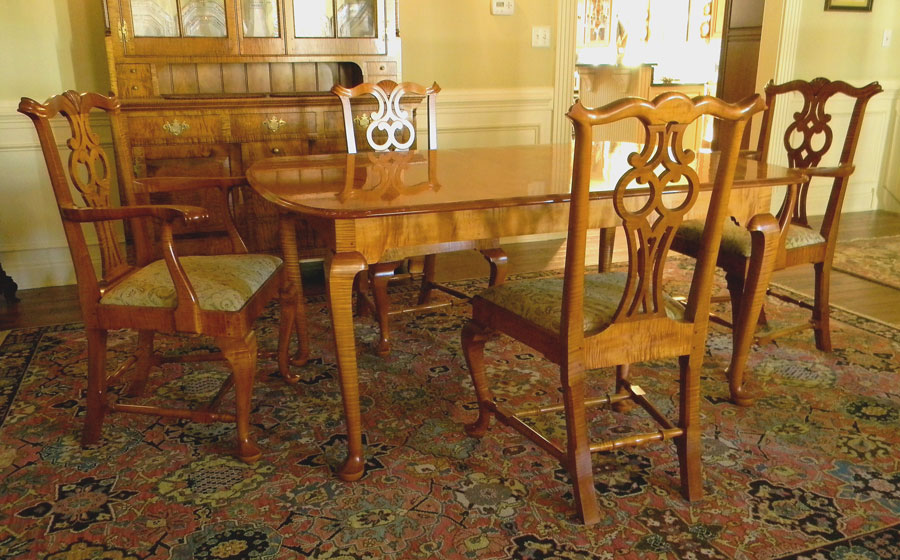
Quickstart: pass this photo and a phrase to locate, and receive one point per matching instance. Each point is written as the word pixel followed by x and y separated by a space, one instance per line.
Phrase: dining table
pixel 376 207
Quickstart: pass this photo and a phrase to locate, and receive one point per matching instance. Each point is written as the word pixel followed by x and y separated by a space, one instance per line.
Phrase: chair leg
pixel 621 380
pixel 499 263
pixel 96 386
pixel 688 444
pixel 145 361
pixel 360 288
pixel 427 279
pixel 735 283
pixel 473 339
pixel 821 312
pixel 292 302
pixel 241 355
pixel 578 450
pixel 764 239
pixel 379 276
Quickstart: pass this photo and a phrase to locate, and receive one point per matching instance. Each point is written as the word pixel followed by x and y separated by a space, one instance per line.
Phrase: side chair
pixel 391 127
pixel 583 322
pixel 218 296
pixel 807 140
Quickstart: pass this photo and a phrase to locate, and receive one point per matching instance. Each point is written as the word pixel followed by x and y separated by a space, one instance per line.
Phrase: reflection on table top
pixel 372 184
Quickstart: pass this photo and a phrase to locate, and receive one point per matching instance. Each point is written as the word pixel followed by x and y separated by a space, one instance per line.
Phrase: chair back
pixel 88 171
pixel 809 137
pixel 390 126
pixel 661 165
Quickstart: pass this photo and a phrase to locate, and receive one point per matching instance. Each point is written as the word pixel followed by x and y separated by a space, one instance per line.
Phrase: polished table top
pixel 345 186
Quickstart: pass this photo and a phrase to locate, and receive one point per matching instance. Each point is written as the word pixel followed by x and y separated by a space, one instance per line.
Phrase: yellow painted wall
pixel 51 45
pixel 847 45
pixel 459 44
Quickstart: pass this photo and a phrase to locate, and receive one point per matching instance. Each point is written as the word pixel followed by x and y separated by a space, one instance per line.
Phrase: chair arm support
pixel 166 213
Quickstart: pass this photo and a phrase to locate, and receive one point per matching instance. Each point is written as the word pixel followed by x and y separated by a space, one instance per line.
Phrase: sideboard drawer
pixel 273 124
pixel 177 128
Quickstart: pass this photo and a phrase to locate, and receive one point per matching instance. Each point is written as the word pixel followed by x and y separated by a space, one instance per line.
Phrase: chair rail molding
pixel 485 117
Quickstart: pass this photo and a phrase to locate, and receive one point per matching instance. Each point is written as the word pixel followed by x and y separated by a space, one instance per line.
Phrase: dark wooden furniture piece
pixel 368 215
pixel 807 140
pixel 610 319
pixel 207 87
pixel 739 53
pixel 219 296
pixel 391 127
pixel 8 287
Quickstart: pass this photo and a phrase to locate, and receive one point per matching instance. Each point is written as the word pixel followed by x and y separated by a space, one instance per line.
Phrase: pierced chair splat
pixel 391 127
pixel 582 322
pixel 808 139
pixel 218 296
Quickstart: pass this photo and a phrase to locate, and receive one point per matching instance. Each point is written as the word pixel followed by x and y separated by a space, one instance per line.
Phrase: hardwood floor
pixel 50 306
pixel 849 292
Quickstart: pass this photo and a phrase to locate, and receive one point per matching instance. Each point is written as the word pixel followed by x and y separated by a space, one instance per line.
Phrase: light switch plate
pixel 503 7
pixel 540 36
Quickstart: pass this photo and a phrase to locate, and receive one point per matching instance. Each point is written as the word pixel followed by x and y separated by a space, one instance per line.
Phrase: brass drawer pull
pixel 273 123
pixel 363 120
pixel 175 128
pixel 276 151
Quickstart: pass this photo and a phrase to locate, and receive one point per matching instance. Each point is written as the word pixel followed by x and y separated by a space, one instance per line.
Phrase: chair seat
pixel 222 282
pixel 539 300
pixel 736 239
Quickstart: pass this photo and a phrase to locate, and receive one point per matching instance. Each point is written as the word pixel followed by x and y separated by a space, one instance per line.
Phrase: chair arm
pixel 167 213
pixel 174 184
pixel 145 186
pixel 841 171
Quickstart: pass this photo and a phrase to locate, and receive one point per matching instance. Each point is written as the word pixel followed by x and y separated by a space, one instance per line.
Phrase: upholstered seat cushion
pixel 539 300
pixel 222 282
pixel 736 239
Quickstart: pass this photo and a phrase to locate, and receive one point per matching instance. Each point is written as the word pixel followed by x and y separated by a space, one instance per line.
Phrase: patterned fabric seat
pixel 736 239
pixel 540 300
pixel 222 282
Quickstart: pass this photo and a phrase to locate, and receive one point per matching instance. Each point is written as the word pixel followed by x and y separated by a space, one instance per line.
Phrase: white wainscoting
pixel 873 176
pixel 33 248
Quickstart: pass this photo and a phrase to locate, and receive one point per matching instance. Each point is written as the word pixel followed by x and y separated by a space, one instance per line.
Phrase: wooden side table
pixel 8 287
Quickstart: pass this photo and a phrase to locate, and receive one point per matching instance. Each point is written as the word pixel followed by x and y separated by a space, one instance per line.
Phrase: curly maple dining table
pixel 387 206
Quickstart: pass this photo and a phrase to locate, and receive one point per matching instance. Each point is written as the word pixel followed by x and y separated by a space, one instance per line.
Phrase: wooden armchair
pixel 807 140
pixel 390 127
pixel 219 296
pixel 583 322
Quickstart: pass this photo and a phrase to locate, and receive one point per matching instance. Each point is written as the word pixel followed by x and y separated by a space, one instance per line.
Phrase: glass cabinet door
pixel 261 25
pixel 336 26
pixel 177 26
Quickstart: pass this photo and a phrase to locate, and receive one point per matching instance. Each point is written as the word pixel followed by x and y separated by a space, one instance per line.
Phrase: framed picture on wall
pixel 850 5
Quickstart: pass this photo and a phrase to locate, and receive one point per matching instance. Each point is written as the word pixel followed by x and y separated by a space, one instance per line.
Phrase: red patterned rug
pixel 810 472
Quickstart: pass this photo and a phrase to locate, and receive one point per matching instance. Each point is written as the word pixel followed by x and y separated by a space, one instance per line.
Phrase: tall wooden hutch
pixel 209 86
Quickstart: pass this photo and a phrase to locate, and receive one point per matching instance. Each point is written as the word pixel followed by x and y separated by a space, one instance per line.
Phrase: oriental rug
pixel 810 472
